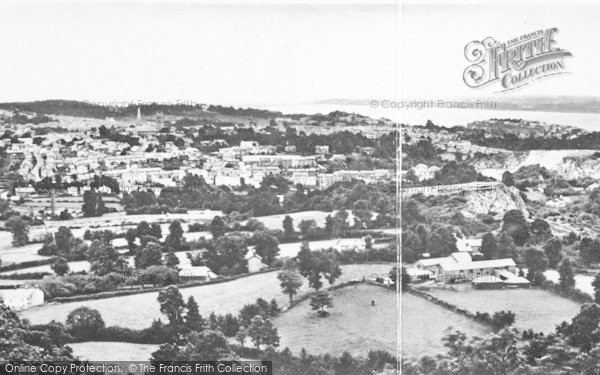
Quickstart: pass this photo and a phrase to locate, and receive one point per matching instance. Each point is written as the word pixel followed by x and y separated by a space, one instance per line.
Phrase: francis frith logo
pixel 515 63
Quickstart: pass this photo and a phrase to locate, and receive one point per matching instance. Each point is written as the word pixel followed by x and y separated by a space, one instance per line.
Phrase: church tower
pixel 139 116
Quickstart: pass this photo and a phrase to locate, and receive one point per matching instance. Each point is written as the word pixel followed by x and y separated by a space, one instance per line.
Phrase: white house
pixel 22 298
pixel 254 260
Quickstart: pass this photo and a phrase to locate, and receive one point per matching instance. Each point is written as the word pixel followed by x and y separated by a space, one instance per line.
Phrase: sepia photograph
pixel 299 187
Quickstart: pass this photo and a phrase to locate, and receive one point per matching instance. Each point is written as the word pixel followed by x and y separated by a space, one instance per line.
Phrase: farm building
pixel 22 298
pixel 471 245
pixel 344 244
pixel 254 260
pixel 460 267
pixel 198 272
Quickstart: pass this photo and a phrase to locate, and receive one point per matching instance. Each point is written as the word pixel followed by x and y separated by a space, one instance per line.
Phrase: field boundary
pixel 127 292
pixel 447 306
pixel 345 284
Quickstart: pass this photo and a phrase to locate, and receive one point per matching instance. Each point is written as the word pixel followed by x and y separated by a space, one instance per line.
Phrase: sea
pixel 442 116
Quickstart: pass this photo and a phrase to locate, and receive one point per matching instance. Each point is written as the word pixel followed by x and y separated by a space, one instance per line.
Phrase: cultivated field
pixel 353 324
pixel 534 308
pixel 139 310
pixel 424 324
pixel 112 351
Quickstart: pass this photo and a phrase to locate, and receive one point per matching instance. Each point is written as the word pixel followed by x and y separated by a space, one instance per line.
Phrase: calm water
pixel 446 117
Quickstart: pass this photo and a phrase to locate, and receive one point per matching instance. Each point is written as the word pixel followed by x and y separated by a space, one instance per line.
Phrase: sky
pixel 254 52
pixel 433 38
pixel 206 52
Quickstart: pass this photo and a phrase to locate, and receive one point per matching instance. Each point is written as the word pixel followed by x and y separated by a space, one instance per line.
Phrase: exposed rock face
pixel 561 161
pixel 577 167
pixel 496 201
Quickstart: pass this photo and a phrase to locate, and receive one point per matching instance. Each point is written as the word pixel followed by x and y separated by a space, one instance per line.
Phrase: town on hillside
pixel 151 230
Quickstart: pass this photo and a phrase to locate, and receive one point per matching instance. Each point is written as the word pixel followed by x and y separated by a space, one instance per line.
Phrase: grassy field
pixel 534 308
pixel 424 324
pixel 139 310
pixel 14 255
pixel 353 325
pixel 112 351
pixel 276 221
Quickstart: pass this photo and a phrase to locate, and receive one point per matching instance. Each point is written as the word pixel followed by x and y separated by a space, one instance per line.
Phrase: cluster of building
pixel 460 267
pixel 78 153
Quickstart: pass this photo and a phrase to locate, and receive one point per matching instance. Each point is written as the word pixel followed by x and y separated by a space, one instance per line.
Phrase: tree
pixel 171 260
pixel 104 259
pixel 515 225
pixel 150 255
pixel 197 346
pixel 227 254
pixel 553 251
pixel 93 205
pixel 583 331
pixel 290 282
pixel 60 266
pixel 289 234
pixel 84 323
pixel 175 237
pixel 596 285
pixel 368 243
pixel 306 227
pixel 22 341
pixel 502 319
pixel 19 229
pixel 567 278
pixel 340 223
pixel 267 246
pixel 193 319
pixel 130 236
pixel 536 263
pixel 158 275
pixel 229 325
pixel 171 304
pixel 489 246
pixel 506 246
pixel 143 229
pixel 508 179
pixel 589 250
pixel 319 301
pixel 217 227
pixel 540 231
pixel 155 230
pixel 63 239
pixel 316 264
pixel 442 242
pixel 262 331
pixel 329 226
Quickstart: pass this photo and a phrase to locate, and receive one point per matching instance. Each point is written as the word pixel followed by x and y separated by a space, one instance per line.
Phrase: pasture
pixel 424 324
pixel 534 308
pixel 139 310
pixel 112 351
pixel 353 324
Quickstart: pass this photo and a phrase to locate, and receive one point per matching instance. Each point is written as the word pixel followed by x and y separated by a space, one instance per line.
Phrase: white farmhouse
pixel 22 298
pixel 254 260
